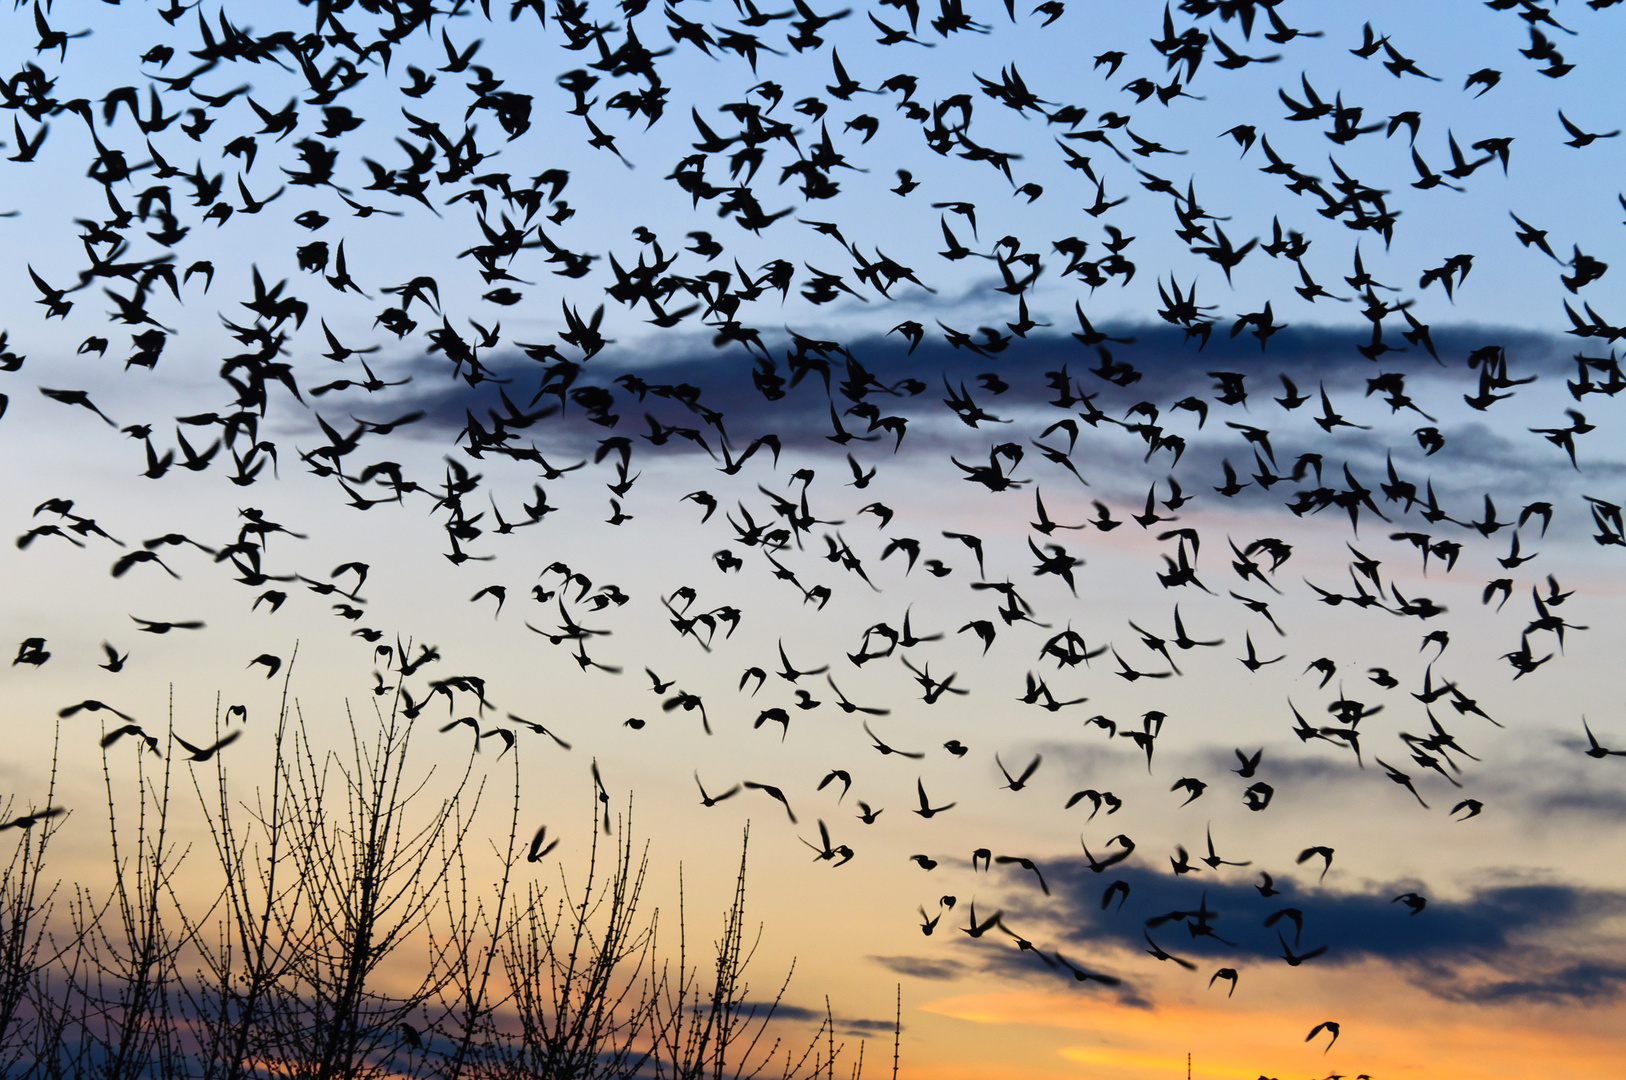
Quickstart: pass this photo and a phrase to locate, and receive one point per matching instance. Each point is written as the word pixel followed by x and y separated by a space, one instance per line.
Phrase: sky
pixel 1054 641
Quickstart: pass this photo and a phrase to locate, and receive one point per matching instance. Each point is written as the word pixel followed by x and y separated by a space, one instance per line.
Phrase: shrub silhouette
pixel 267 960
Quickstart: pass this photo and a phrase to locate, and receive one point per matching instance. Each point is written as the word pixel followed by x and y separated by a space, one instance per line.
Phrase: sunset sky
pixel 1516 965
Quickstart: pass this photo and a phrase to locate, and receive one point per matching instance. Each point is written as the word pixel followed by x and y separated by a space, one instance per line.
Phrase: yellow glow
pixel 1389 1029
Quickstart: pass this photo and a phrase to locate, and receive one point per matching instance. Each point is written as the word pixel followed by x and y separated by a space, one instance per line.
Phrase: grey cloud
pixel 1169 368
pixel 1444 949
pixel 919 967
pixel 784 1011
pixel 1563 983
pixel 1602 806
pixel 682 390
pixel 865 1027
pixel 781 1011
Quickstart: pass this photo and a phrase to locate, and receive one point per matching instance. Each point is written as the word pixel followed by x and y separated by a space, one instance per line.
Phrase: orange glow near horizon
pixel 1391 1029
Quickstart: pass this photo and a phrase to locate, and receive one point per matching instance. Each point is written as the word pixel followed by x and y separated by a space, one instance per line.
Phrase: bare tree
pixel 579 973
pixel 27 898
pixel 349 858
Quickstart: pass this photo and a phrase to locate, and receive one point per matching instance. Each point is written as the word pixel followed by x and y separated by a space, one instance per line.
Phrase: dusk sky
pixel 879 359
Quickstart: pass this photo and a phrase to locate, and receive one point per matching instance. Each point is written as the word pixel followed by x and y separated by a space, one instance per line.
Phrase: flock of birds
pixel 194 104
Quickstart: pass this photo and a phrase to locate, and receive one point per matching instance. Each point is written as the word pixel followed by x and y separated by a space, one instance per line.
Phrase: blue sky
pixel 1523 902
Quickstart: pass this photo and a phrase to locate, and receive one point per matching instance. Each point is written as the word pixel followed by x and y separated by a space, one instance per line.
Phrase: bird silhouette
pixel 378 195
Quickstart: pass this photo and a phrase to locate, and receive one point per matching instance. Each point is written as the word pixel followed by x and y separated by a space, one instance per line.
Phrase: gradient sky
pixel 1516 966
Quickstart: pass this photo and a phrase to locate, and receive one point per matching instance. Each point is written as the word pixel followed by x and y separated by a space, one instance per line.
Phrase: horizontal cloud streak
pixel 1487 946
